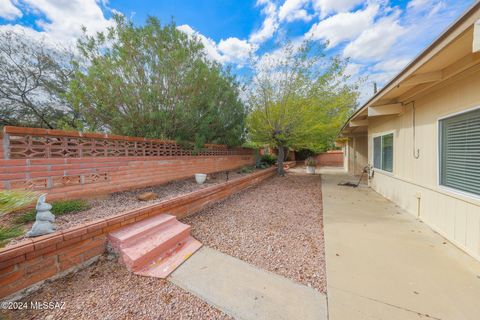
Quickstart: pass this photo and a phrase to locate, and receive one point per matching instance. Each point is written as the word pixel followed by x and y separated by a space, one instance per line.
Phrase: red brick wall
pixel 53 161
pixel 330 159
pixel 37 259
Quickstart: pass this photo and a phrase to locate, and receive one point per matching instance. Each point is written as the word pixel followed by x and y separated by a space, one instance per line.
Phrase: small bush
pixel 68 206
pixel 25 217
pixel 246 170
pixel 262 165
pixel 7 233
pixel 311 162
pixel 58 208
pixel 12 200
pixel 269 159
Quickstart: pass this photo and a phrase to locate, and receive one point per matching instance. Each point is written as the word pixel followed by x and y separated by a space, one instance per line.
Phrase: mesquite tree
pixel 156 81
pixel 34 77
pixel 299 99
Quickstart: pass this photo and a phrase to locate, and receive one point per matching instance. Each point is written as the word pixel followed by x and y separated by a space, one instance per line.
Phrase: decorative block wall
pixel 70 164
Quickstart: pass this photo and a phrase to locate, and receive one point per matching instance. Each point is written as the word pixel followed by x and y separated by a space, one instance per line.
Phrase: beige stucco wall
pixel 413 184
pixel 356 156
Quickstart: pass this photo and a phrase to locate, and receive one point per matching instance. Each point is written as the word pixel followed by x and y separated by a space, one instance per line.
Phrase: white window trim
pixel 439 143
pixel 379 134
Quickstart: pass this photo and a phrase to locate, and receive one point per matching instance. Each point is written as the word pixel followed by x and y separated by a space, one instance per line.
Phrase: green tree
pixel 34 77
pixel 155 81
pixel 298 99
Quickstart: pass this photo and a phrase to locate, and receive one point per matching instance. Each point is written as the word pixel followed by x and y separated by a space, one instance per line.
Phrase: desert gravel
pixel 276 226
pixel 108 291
pixel 118 202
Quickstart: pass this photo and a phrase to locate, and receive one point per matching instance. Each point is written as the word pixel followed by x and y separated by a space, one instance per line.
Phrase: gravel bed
pixel 119 202
pixel 108 291
pixel 276 226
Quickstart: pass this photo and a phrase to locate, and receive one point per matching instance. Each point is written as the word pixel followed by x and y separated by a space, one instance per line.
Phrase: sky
pixel 378 37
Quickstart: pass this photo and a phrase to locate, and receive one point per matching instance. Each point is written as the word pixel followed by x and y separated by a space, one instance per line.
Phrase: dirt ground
pixel 276 226
pixel 108 291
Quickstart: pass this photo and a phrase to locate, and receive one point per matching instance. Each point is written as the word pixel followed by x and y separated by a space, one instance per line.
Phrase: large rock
pixel 147 196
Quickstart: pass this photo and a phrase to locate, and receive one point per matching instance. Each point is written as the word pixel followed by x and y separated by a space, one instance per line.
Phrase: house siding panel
pixel 455 216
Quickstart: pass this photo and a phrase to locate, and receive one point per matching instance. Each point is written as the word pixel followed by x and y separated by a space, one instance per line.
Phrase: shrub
pixel 58 208
pixel 25 217
pixel 6 233
pixel 311 162
pixel 246 170
pixel 269 159
pixel 12 200
pixel 68 206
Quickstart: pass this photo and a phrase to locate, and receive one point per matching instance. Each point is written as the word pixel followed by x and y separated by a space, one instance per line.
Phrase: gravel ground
pixel 118 202
pixel 276 226
pixel 108 291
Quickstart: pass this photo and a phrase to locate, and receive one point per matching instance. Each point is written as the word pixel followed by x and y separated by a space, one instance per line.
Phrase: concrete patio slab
pixel 246 292
pixel 382 263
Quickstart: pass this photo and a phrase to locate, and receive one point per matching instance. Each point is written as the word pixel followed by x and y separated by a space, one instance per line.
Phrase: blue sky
pixel 379 37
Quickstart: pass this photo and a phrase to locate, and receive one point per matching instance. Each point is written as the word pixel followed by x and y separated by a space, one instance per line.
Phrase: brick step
pixel 133 232
pixel 154 246
pixel 167 263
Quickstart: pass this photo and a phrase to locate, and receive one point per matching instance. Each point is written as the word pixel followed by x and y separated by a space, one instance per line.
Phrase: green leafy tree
pixel 155 81
pixel 34 78
pixel 298 99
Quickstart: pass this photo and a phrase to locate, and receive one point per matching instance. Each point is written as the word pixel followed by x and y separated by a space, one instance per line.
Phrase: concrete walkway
pixel 245 292
pixel 384 264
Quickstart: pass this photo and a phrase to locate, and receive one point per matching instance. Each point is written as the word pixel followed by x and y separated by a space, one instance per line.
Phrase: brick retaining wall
pixel 34 260
pixel 330 159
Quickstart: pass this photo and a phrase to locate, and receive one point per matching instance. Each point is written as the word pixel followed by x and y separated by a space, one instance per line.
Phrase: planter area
pixel 32 261
pixel 112 204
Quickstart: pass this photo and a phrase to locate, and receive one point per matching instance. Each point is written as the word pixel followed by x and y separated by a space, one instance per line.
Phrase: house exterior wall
pixel 413 184
pixel 356 158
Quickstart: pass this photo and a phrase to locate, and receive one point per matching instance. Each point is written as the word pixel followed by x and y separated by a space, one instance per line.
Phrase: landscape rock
pixel 147 196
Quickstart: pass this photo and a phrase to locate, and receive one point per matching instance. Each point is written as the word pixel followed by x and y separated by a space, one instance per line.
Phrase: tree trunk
pixel 280 159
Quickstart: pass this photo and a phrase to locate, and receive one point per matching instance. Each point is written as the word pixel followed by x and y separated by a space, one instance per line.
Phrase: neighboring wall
pixel 413 184
pixel 74 164
pixel 330 159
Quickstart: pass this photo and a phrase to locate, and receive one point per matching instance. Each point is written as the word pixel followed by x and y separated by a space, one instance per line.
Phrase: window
pixel 383 152
pixel 460 152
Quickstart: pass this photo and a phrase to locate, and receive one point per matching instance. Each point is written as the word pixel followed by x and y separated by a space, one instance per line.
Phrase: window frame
pixel 381 134
pixel 439 155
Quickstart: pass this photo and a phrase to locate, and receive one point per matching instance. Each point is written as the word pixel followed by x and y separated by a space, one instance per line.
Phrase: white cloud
pixel 343 26
pixel 9 11
pixel 235 50
pixel 418 4
pixel 353 69
pixel 230 50
pixel 391 65
pixel 326 7
pixel 210 45
pixel 374 43
pixel 270 24
pixel 64 19
pixel 61 21
pixel 293 10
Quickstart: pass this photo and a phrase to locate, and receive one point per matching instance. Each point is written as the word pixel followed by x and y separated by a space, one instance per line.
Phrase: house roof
pixel 449 55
